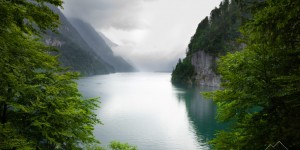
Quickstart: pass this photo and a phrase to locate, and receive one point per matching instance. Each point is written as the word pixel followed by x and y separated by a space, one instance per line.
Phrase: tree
pixel 183 72
pixel 31 17
pixel 40 105
pixel 261 84
pixel 197 41
pixel 115 145
pixel 216 35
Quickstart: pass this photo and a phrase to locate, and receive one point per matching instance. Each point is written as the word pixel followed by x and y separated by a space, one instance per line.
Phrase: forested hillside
pixel 75 51
pixel 261 83
pixel 99 46
pixel 260 89
pixel 216 35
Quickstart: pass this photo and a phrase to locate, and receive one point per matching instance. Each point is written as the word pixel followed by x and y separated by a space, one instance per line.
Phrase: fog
pixel 151 34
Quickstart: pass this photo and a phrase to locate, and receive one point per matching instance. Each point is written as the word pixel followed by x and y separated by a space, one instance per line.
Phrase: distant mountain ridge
pixel 79 54
pixel 108 41
pixel 99 46
pixel 74 52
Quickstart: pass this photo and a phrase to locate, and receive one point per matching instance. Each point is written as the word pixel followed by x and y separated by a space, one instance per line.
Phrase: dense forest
pixel 40 105
pixel 260 86
pixel 215 35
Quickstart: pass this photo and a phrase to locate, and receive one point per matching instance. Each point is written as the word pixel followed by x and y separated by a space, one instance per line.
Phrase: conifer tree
pixel 40 105
pixel 261 84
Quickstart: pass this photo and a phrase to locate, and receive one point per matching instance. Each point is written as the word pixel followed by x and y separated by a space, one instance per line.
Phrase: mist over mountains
pixel 108 41
pixel 99 46
pixel 83 49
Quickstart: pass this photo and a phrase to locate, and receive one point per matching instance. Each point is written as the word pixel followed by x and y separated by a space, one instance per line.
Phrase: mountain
pixel 74 52
pixel 107 40
pixel 215 36
pixel 99 46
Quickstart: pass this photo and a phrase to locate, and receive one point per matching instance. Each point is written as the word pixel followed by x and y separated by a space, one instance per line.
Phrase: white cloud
pixel 152 34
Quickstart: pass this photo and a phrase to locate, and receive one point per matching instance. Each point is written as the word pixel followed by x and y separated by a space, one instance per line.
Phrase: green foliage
pixel 197 40
pixel 216 34
pixel 40 105
pixel 115 145
pixel 183 72
pixel 261 84
pixel 31 17
pixel 11 139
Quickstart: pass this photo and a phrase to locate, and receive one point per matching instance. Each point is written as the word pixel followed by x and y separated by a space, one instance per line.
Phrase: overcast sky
pixel 151 34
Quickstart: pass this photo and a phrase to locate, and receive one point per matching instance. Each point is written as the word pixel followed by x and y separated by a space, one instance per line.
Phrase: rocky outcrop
pixel 54 42
pixel 205 74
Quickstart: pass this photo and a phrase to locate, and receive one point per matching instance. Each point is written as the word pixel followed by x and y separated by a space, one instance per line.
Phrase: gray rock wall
pixel 203 64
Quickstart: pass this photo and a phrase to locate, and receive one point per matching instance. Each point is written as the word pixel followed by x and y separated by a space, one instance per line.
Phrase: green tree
pixel 115 145
pixel 40 105
pixel 183 72
pixel 216 35
pixel 261 84
pixel 201 33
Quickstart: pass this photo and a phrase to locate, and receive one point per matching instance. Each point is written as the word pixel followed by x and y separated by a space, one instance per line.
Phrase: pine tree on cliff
pixel 261 84
pixel 216 35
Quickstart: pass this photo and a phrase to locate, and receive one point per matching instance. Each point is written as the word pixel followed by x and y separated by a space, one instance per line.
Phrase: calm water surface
pixel 146 110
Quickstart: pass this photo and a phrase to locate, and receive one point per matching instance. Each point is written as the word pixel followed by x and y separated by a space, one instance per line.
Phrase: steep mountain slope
pixel 99 46
pixel 74 51
pixel 215 36
pixel 107 41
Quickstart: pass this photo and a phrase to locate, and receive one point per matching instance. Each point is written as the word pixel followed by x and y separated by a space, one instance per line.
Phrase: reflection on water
pixel 146 110
pixel 201 111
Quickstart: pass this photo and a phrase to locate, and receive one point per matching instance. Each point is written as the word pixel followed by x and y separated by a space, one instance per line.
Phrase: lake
pixel 146 110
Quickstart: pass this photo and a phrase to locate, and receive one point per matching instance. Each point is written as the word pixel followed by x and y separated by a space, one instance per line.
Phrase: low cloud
pixel 119 14
pixel 151 34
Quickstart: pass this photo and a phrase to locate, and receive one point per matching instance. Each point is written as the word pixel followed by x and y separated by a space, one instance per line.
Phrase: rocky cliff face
pixel 205 75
